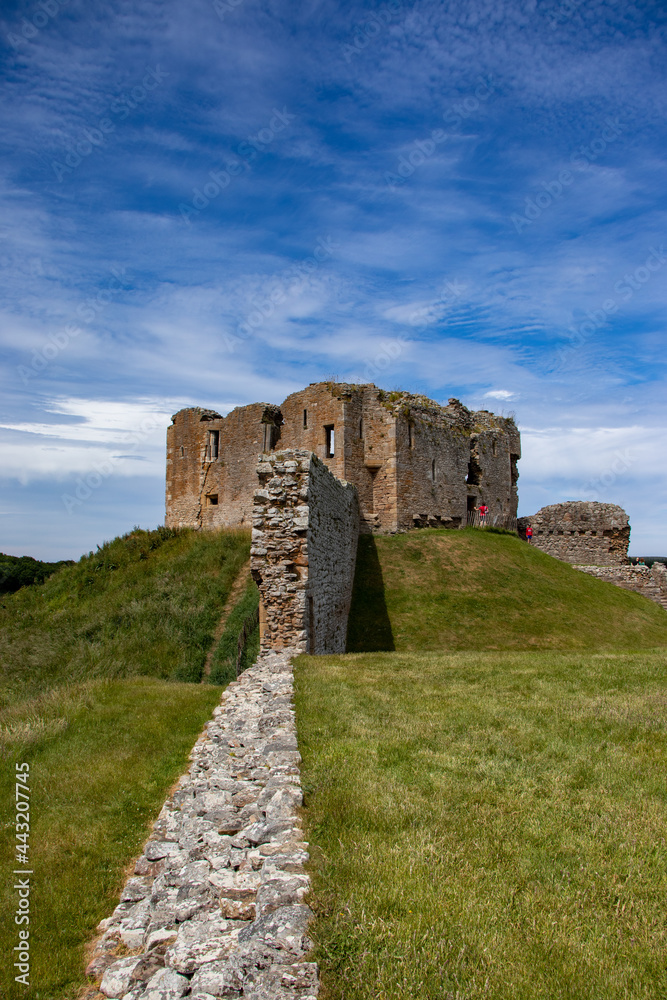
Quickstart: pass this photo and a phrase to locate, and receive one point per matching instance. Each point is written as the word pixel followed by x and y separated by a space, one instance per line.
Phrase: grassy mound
pixel 480 589
pixel 144 604
pixel 487 825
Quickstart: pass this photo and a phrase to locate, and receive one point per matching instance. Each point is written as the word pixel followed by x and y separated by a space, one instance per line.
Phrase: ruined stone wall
pixel 304 540
pixel 212 490
pixel 185 454
pixel 581 532
pixel 649 582
pixel 495 449
pixel 305 415
pixel 594 538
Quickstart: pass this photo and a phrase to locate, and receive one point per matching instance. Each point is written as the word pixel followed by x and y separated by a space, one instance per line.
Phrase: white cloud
pixel 499 394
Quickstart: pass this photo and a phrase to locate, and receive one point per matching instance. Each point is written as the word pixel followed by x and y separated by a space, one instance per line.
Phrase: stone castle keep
pixel 413 462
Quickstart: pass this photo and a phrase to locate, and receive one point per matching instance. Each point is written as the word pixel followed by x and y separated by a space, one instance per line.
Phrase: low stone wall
pixel 651 583
pixel 215 907
pixel 304 544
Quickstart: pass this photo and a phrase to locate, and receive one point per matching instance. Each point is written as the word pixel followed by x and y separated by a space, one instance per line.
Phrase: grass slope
pixel 144 604
pixel 487 825
pixel 479 589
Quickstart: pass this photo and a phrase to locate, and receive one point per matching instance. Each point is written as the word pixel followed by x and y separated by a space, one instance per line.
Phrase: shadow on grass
pixel 368 626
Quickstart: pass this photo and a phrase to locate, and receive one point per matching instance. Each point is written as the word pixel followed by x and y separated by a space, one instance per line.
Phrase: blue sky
pixel 216 203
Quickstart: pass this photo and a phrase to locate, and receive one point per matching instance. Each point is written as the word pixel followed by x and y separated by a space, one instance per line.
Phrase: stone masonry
pixel 414 462
pixel 304 545
pixel 216 904
pixel 594 538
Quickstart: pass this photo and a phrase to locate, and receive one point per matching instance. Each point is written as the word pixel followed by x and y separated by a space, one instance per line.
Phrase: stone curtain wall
pixel 581 532
pixel 304 541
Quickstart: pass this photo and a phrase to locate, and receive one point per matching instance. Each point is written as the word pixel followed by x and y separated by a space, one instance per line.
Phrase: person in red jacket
pixel 529 534
pixel 483 511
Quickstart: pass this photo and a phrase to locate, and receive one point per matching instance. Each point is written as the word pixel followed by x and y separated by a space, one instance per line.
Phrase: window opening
pixel 361 428
pixel 493 447
pixel 411 442
pixel 213 444
pixel 433 470
pixel 212 499
pixel 305 419
pixel 330 443
pixel 182 451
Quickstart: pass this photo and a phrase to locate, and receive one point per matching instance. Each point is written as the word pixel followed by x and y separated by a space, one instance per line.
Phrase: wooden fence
pixel 497 521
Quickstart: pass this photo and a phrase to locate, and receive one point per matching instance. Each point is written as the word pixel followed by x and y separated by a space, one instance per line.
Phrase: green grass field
pixel 480 589
pixel 487 825
pixel 92 665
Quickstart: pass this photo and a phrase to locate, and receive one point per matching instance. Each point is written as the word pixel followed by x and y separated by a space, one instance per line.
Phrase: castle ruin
pixel 413 462
pixel 594 537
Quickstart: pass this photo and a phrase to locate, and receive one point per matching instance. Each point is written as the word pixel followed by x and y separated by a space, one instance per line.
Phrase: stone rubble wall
pixel 304 543
pixel 216 904
pixel 581 532
pixel 649 582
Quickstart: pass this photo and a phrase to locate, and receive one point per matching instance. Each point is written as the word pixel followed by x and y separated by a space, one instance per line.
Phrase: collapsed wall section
pixel 304 543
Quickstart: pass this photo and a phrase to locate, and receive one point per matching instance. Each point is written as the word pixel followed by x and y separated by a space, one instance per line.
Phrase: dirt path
pixel 235 594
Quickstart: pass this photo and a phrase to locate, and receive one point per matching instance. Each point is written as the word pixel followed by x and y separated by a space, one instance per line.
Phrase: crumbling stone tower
pixel 413 461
